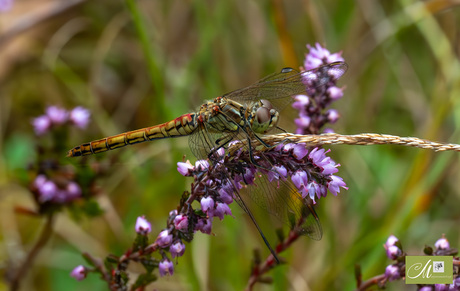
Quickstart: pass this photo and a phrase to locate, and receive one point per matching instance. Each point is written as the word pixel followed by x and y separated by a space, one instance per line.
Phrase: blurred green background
pixel 140 63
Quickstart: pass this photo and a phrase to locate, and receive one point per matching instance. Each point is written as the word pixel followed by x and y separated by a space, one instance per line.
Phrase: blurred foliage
pixel 140 63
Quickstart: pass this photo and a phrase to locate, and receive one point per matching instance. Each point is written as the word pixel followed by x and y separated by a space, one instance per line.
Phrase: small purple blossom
pixel 41 124
pixel 73 191
pixel 181 222
pixel 300 180
pixel 177 249
pixel 303 121
pixel 442 244
pixel 226 193
pixel 299 151
pixel 335 93
pixel 276 172
pixel 335 184
pixel 57 115
pixel 441 287
pixel 142 227
pixel 391 241
pixel 207 204
pixel 80 117
pixel 249 175
pixel 301 101
pixel 393 252
pixel 221 210
pixel 319 56
pixel 47 191
pixel 204 225
pixel 392 273
pixel 79 273
pixel 164 239
pixel 332 115
pixel 166 267
pixel 201 165
pixel 185 169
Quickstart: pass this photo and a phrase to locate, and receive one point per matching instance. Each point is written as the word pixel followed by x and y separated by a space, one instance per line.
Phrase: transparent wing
pixel 283 201
pixel 279 87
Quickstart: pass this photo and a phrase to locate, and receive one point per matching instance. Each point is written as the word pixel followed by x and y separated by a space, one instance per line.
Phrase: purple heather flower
pixel 201 165
pixel 166 267
pixel 73 191
pixel 177 249
pixel 181 222
pixel 300 179
pixel 426 288
pixel 249 175
pixel 319 56
pixel 441 287
pixel 276 172
pixel 204 225
pixel 391 241
pixel 299 151
pixel 207 204
pixel 332 115
pixel 301 102
pixel 226 193
pixel 455 285
pixel 185 169
pixel 41 124
pixel 80 117
pixel 39 181
pixel 442 244
pixel 143 227
pixel 57 115
pixel 221 210
pixel 47 191
pixel 302 121
pixel 314 188
pixel 392 273
pixel 335 93
pixel 164 239
pixel 393 252
pixel 79 273
pixel 335 184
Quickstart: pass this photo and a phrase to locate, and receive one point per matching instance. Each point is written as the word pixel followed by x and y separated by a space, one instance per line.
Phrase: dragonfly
pixel 241 116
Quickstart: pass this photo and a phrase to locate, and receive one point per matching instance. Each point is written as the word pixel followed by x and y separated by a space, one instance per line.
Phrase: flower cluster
pixel 48 191
pixel 55 116
pixel 311 106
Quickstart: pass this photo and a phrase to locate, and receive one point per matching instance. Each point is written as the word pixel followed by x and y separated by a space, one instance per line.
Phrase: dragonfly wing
pixel 279 87
pixel 281 199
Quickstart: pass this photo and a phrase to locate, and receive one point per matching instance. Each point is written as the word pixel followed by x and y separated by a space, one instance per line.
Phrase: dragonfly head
pixel 266 117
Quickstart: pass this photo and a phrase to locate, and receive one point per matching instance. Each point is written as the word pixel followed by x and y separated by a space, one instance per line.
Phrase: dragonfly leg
pixel 246 209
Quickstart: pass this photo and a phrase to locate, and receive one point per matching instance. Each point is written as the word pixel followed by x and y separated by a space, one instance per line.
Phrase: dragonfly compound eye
pixel 266 104
pixel 263 115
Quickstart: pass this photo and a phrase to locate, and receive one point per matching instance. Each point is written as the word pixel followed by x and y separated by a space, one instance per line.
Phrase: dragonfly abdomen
pixel 181 126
